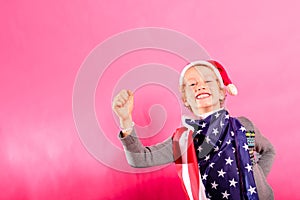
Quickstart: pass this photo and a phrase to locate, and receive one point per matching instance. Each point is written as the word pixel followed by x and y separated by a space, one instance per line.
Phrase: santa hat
pixel 218 69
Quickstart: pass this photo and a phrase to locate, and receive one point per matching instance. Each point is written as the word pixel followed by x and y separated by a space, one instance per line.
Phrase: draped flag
pixel 221 152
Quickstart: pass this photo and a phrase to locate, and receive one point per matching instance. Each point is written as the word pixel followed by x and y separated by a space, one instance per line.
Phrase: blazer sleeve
pixel 141 156
pixel 263 147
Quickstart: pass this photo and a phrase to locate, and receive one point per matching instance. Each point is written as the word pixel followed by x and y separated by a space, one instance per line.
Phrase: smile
pixel 202 96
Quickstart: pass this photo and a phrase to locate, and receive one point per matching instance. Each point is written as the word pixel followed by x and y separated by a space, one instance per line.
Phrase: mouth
pixel 203 96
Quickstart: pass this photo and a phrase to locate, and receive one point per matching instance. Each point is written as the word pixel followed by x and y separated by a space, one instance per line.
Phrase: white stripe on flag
pixel 186 180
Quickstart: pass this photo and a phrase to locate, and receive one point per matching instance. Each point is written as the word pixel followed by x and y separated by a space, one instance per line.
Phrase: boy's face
pixel 202 90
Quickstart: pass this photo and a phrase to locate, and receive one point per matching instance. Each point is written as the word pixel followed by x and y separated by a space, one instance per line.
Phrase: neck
pixel 203 115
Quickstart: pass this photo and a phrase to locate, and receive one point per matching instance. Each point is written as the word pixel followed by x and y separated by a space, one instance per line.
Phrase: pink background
pixel 43 45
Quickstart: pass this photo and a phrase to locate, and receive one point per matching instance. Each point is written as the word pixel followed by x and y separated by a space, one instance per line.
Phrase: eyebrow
pixel 210 77
pixel 191 79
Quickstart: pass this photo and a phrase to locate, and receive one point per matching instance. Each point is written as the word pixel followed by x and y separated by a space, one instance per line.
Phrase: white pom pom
pixel 232 90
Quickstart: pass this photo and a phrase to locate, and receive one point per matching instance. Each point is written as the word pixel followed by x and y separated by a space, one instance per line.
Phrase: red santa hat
pixel 218 69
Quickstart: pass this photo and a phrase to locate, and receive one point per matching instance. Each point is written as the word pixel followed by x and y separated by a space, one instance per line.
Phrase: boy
pixel 217 156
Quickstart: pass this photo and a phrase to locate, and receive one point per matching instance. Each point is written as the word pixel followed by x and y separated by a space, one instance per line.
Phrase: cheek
pixel 216 91
pixel 189 96
pixel 213 88
pixel 188 92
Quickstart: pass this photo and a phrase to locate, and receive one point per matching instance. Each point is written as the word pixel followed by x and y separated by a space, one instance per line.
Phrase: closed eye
pixel 210 80
pixel 192 84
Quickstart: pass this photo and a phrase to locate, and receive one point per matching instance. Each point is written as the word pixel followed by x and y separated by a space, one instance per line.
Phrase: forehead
pixel 199 71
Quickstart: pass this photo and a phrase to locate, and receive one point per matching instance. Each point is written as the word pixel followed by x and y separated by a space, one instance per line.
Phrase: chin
pixel 201 111
pixel 205 107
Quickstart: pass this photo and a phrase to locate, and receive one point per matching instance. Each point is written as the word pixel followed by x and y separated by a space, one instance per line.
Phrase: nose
pixel 201 87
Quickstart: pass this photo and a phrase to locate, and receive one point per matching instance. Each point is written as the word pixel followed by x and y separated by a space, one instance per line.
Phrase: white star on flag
pixel 219 154
pixel 246 147
pixel 228 161
pixel 207 157
pixel 204 176
pixel 221 124
pixel 217 114
pixel 203 125
pixel 199 131
pixel 248 167
pixel 214 185
pixel 242 128
pixel 221 173
pixel 200 148
pixel 225 194
pixel 215 131
pixel 252 190
pixel 226 116
pixel 228 142
pixel 209 196
pixel 232 182
pixel 216 148
pixel 233 150
pixel 207 139
pixel 232 133
pixel 211 165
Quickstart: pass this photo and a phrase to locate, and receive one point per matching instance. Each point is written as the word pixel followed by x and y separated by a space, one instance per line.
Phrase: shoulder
pixel 246 122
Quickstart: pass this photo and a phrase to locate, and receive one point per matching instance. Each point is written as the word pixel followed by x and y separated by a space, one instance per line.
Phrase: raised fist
pixel 122 104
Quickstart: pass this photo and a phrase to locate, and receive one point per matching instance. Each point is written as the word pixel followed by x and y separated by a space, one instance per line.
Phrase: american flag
pixel 223 157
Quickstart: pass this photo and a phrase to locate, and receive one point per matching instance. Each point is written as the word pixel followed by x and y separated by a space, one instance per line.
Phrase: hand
pixel 123 105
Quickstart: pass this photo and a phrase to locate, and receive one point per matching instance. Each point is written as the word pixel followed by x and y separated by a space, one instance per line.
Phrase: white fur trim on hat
pixel 201 62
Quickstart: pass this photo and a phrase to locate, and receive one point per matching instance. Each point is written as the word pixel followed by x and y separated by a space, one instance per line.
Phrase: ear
pixel 183 98
pixel 184 101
